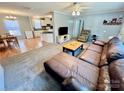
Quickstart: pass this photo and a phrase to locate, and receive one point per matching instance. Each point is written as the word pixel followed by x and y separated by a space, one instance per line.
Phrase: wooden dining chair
pixel 2 44
pixel 12 40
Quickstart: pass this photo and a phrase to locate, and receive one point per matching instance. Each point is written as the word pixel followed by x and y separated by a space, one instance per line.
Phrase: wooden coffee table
pixel 74 47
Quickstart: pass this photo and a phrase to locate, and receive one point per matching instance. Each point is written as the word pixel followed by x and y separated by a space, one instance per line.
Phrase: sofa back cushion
pixel 86 74
pixel 82 68
pixel 95 48
pixel 91 57
pixel 114 40
pixel 115 50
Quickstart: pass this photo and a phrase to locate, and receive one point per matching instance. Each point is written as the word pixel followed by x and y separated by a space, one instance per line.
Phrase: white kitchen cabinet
pixel 29 34
pixel 37 33
pixel 47 37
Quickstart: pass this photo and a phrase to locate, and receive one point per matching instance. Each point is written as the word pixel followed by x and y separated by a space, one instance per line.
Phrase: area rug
pixel 26 72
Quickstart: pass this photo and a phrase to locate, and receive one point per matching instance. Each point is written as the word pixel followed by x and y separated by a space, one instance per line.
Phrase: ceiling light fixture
pixel 10 17
pixel 75 13
pixel 78 13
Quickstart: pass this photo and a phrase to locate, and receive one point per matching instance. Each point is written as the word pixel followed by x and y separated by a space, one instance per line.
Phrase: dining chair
pixel 2 44
pixel 12 40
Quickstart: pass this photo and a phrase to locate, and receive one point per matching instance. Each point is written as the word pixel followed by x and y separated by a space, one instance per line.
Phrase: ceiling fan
pixel 77 8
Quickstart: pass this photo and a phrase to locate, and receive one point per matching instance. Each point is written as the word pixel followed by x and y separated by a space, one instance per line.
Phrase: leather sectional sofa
pixel 100 67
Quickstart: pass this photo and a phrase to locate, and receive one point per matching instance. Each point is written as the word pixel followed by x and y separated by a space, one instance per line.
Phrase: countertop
pixel 45 31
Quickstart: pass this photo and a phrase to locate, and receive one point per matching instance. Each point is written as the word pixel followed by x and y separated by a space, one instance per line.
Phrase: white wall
pixel 2 27
pixel 95 24
pixel 121 34
pixel 1 78
pixel 62 20
pixel 25 25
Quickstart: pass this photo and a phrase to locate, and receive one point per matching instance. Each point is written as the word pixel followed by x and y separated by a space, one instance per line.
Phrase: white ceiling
pixel 43 8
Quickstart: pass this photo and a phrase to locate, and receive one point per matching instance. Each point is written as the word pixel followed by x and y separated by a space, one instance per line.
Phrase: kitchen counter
pixel 47 32
pixel 48 36
pixel 39 32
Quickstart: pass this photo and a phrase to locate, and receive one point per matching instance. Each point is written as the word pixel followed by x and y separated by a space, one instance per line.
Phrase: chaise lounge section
pixel 63 66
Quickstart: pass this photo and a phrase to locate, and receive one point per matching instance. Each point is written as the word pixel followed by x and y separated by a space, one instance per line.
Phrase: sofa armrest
pixel 71 84
pixel 100 43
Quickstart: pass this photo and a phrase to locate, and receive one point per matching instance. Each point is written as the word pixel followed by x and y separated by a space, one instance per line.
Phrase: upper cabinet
pixel 42 23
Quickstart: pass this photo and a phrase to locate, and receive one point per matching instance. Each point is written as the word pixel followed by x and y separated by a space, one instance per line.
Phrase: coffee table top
pixel 73 45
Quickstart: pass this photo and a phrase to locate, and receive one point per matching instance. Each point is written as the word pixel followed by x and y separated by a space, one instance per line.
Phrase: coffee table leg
pixel 72 53
pixel 81 47
pixel 63 49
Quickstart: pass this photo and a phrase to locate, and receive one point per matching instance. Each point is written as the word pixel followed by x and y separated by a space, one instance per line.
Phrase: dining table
pixel 6 38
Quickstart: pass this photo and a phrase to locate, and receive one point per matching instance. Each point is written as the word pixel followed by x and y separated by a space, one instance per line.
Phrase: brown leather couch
pixel 99 67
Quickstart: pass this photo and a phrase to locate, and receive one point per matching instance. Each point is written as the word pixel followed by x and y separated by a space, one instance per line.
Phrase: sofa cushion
pixel 79 72
pixel 91 57
pixel 87 65
pixel 65 59
pixel 62 70
pixel 115 52
pixel 82 68
pixel 116 72
pixel 95 48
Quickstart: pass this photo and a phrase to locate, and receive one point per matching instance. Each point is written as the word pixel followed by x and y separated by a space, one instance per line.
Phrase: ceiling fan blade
pixel 84 8
pixel 83 11
pixel 75 7
pixel 69 7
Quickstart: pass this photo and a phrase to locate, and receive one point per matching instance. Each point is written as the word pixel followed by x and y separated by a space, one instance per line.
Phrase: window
pixel 12 27
pixel 37 23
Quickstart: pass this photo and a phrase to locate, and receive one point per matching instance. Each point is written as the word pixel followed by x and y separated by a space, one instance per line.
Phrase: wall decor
pixel 113 21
